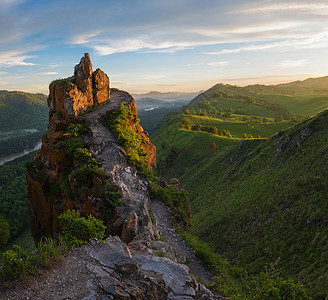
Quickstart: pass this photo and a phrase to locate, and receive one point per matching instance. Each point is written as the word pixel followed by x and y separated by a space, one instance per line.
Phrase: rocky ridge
pixel 129 264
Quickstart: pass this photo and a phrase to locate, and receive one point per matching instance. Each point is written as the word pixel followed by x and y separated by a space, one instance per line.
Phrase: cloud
pixel 259 7
pixel 218 63
pixel 4 82
pixel 48 73
pixel 316 41
pixel 137 44
pixel 84 37
pixel 14 58
pixel 286 64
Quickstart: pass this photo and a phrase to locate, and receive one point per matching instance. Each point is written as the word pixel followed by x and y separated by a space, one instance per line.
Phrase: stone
pixel 100 83
pixel 130 228
pixel 83 75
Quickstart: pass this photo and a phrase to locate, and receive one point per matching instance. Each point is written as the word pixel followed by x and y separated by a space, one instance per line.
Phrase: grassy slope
pixel 22 110
pixel 238 128
pixel 254 201
pixel 179 150
pixel 303 98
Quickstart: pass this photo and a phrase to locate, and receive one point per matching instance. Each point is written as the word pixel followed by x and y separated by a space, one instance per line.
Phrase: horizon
pixel 163 45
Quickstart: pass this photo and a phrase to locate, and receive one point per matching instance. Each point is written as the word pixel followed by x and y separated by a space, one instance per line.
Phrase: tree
pixel 187 112
pixel 278 118
pixel 213 147
pixel 4 231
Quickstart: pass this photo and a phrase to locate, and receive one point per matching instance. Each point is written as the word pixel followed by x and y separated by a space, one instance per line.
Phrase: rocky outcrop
pixel 130 263
pixel 69 96
pixel 121 271
pixel 52 187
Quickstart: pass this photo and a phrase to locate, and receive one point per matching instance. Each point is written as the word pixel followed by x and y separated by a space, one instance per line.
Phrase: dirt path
pixel 162 215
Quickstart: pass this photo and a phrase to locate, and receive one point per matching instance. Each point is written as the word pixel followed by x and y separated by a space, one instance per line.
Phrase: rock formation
pixel 125 266
pixel 53 166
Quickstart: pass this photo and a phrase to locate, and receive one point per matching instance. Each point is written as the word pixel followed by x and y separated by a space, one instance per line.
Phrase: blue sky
pixel 164 45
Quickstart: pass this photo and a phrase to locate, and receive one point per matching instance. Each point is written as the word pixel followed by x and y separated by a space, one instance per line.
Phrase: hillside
pixel 257 200
pixel 300 98
pixel 19 110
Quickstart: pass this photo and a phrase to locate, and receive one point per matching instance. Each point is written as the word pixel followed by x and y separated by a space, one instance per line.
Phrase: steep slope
pixel 22 110
pixel 257 200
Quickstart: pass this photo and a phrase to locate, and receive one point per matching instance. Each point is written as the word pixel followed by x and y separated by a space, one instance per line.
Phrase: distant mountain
pixel 22 110
pixel 302 98
pixel 169 96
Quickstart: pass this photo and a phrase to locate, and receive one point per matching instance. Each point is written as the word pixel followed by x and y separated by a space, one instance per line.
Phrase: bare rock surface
pixel 176 242
pixel 112 270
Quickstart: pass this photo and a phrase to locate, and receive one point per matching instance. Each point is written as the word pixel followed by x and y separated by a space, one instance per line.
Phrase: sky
pixel 163 45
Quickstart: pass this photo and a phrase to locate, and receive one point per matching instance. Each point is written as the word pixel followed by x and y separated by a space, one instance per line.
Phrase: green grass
pixel 179 150
pixel 238 128
pixel 254 203
pixel 234 282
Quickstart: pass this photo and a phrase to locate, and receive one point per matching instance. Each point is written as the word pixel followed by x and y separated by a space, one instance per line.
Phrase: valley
pixel 260 193
pixel 251 161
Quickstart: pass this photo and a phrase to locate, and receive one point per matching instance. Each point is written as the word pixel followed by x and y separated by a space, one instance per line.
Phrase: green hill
pixel 301 98
pixel 20 110
pixel 258 200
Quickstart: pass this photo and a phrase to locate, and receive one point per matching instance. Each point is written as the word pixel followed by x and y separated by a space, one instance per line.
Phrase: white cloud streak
pixel 48 73
pixel 287 64
pixel 14 58
pixel 218 63
pixel 317 41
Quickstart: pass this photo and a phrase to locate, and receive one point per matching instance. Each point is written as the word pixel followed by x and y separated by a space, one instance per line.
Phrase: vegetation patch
pixel 234 282
pixel 176 199
pixel 78 230
pixel 118 121
pixel 13 195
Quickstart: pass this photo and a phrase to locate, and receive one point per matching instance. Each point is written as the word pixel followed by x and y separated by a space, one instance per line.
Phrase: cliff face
pixel 60 176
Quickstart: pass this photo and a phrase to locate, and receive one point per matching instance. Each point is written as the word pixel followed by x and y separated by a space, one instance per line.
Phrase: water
pixel 14 156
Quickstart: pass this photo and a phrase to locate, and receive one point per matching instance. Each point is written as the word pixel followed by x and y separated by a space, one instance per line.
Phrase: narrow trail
pixel 173 239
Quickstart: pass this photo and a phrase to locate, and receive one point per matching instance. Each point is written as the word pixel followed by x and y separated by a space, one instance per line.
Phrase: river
pixel 14 156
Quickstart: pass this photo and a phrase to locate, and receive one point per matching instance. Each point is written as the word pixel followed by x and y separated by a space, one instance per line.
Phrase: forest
pixel 13 194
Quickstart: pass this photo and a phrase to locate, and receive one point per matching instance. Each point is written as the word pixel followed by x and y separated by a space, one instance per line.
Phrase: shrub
pixel 176 200
pixel 78 230
pixel 17 262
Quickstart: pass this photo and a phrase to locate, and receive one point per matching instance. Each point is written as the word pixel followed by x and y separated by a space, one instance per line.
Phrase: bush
pixel 176 200
pixel 78 230
pixel 17 262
